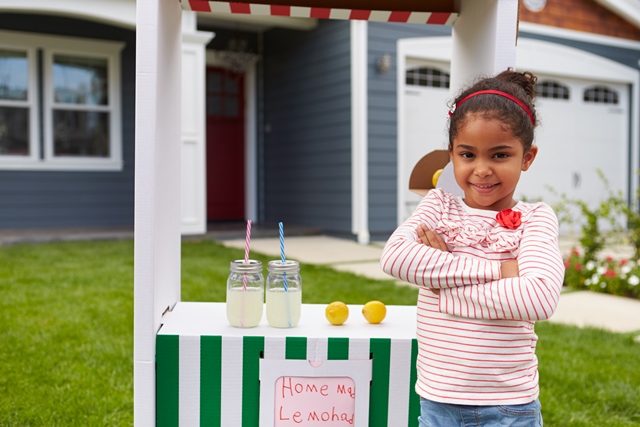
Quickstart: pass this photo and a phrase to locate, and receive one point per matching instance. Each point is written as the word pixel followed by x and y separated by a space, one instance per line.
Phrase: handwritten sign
pixel 321 393
pixel 311 401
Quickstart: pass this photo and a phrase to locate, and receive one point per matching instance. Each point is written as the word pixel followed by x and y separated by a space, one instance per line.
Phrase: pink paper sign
pixel 314 401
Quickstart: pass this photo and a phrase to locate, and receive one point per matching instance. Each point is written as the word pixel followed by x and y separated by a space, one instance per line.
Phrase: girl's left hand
pixel 431 238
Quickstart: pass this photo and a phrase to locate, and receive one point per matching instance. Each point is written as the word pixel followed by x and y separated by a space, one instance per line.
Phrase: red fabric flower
pixel 509 218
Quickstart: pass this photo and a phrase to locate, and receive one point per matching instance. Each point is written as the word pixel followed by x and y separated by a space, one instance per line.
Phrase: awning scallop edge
pixel 402 16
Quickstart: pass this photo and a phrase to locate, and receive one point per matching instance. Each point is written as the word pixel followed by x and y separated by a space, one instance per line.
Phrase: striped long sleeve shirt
pixel 476 339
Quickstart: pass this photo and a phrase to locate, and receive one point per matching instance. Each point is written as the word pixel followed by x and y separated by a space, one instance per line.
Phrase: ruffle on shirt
pixel 464 232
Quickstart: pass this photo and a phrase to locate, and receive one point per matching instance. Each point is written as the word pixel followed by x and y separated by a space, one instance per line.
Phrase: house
pixel 272 129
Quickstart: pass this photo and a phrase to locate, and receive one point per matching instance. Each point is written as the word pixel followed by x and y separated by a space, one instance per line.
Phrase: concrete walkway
pixel 581 308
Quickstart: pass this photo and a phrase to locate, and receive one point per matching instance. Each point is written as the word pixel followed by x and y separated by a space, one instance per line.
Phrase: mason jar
pixel 245 293
pixel 284 294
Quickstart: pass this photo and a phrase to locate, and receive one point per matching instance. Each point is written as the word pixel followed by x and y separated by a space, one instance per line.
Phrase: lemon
pixel 337 313
pixel 436 176
pixel 374 311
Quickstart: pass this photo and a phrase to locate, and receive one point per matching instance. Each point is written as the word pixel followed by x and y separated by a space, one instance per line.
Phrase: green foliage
pixel 585 268
pixel 590 219
pixel 616 277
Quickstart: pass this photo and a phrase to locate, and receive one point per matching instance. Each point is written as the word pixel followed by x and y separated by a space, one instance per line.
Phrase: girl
pixel 488 266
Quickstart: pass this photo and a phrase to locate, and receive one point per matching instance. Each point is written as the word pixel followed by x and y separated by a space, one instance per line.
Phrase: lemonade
pixel 283 307
pixel 244 307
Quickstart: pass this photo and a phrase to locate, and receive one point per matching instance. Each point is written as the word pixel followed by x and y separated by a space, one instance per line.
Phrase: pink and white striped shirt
pixel 476 343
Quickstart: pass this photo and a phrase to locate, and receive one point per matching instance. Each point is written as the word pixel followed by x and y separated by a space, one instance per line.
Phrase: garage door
pixel 425 125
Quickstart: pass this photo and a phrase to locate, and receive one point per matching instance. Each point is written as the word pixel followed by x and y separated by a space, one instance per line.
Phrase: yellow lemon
pixel 374 311
pixel 436 176
pixel 337 313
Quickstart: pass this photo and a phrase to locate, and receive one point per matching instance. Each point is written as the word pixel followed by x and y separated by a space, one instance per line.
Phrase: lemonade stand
pixel 191 367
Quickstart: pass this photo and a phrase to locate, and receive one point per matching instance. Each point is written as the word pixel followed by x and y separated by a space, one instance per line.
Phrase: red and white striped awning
pixel 409 17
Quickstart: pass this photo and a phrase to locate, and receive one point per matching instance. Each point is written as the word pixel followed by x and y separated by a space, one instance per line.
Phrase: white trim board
pixel 115 12
pixel 562 33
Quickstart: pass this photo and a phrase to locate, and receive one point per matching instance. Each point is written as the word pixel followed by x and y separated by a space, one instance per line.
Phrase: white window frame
pixel 44 159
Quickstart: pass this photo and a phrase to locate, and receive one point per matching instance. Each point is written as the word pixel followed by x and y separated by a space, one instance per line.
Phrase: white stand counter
pixel 208 373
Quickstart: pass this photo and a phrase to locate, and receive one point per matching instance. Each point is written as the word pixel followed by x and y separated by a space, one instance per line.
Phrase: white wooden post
pixel 194 142
pixel 484 40
pixel 157 188
pixel 359 133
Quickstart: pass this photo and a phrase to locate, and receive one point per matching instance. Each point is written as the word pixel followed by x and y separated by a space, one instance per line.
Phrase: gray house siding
pixel 37 199
pixel 383 129
pixel 306 150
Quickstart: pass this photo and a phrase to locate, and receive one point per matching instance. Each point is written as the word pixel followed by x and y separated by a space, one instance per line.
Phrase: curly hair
pixel 496 107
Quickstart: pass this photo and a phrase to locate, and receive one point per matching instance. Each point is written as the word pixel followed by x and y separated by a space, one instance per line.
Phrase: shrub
pixel 584 268
pixel 616 277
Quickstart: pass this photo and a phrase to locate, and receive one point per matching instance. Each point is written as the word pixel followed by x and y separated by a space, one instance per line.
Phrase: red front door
pixel 225 144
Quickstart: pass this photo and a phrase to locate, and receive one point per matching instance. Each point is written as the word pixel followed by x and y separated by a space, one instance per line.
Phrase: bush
pixel 616 277
pixel 585 269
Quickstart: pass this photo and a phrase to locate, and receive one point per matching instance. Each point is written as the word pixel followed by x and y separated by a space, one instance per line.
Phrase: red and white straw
pixel 247 243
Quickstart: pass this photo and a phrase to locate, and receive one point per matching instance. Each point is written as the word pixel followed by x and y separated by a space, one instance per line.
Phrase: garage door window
pixel 429 77
pixel 553 90
pixel 601 95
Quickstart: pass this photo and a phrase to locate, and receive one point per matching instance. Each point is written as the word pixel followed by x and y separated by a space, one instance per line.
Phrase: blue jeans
pixel 434 414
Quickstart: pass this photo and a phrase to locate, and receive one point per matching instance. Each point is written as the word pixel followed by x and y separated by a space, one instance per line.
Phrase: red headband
pixel 495 92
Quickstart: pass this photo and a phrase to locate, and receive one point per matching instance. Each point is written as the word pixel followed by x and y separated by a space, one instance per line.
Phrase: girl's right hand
pixel 431 238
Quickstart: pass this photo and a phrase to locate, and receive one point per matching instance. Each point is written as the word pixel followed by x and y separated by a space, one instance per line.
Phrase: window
pixel 59 103
pixel 600 95
pixel 426 76
pixel 16 103
pixel 551 89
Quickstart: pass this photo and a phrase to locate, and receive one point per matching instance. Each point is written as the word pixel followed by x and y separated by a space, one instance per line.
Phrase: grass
pixel 66 341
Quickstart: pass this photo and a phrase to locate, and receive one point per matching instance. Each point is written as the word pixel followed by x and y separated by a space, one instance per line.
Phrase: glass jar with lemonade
pixel 245 294
pixel 284 294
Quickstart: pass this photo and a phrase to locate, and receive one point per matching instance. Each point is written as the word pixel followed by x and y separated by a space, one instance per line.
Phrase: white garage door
pixel 425 127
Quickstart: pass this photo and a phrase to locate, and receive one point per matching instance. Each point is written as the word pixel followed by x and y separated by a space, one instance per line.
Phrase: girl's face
pixel 487 162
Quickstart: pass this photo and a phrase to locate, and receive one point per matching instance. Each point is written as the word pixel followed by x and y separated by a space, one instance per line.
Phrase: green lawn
pixel 66 311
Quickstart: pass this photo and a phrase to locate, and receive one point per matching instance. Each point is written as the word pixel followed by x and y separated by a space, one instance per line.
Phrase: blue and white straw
pixel 284 273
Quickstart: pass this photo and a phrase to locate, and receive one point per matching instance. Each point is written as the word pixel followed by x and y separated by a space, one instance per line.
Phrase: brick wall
pixel 581 15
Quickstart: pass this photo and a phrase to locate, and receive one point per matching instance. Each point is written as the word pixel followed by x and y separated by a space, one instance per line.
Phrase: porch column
pixel 194 142
pixel 484 40
pixel 359 136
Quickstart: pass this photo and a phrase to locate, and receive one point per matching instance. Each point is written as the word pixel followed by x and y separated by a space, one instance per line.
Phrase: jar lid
pixel 251 266
pixel 279 266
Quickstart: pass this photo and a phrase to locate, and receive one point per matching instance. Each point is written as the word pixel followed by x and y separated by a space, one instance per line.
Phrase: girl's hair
pixel 520 85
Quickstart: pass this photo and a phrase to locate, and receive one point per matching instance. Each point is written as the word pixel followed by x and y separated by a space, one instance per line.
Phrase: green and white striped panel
pixel 193 371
